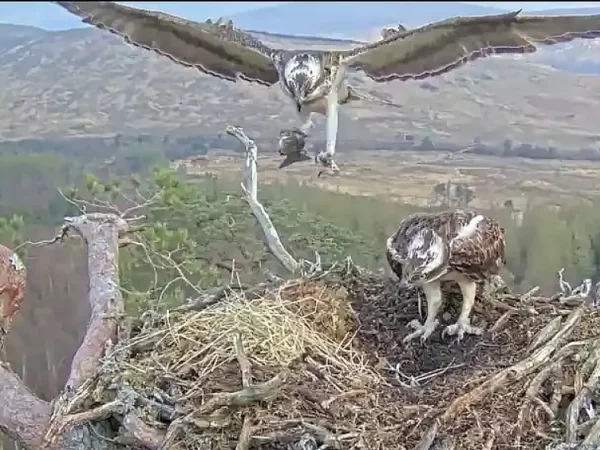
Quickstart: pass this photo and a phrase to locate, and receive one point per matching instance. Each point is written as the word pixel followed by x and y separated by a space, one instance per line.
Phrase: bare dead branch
pixel 250 189
pixel 247 396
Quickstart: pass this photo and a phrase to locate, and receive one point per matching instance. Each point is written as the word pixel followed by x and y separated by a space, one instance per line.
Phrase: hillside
pixel 86 82
pixel 330 19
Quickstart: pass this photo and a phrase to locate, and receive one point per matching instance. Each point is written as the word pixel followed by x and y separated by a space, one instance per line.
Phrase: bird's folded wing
pixel 442 46
pixel 216 50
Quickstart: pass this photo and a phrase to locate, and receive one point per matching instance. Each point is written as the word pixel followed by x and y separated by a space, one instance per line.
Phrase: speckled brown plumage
pixel 13 281
pixel 478 256
pixel 459 245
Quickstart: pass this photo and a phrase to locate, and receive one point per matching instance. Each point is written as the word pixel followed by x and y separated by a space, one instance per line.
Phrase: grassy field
pixel 410 177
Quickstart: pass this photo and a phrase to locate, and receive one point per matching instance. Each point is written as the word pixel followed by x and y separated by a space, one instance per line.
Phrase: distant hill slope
pixel 85 81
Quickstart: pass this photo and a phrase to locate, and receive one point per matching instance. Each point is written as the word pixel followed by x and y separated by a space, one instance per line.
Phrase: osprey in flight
pixel 314 79
pixel 13 280
pixel 458 245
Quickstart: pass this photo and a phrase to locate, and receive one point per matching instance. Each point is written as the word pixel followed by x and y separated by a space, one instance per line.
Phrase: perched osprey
pixel 13 280
pixel 314 79
pixel 458 245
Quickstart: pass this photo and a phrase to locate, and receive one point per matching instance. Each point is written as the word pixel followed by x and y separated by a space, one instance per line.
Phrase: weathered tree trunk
pixel 36 424
pixel 23 416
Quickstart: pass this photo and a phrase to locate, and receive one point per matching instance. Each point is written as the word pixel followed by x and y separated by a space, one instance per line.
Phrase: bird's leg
pixel 326 157
pixel 433 293
pixel 307 117
pixel 468 289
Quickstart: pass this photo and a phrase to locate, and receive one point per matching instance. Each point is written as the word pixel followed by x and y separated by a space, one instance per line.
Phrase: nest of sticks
pixel 319 363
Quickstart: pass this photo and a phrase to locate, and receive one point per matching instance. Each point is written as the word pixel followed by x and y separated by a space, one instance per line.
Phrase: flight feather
pixel 442 46
pixel 220 51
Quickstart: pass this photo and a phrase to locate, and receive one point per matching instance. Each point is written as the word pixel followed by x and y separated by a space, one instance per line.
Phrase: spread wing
pixel 442 46
pixel 220 51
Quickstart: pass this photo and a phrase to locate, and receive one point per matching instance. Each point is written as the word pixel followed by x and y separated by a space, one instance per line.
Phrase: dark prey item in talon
pixel 291 145
pixel 291 141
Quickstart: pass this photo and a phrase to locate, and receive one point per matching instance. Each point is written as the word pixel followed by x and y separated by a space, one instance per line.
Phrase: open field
pixel 411 176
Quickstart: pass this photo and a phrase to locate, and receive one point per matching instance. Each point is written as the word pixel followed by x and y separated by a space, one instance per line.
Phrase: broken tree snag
pixel 101 235
pixel 100 232
pixel 250 189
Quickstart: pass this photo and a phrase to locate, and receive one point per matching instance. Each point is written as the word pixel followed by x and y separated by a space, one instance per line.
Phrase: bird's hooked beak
pixel 299 103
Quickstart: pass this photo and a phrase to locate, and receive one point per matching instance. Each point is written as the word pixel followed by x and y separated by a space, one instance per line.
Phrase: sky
pixel 46 15
pixel 537 5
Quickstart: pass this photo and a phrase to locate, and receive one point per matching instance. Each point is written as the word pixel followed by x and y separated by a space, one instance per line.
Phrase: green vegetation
pixel 208 227
pixel 205 228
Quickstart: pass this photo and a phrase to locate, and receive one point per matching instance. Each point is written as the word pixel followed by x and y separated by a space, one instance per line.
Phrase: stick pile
pixel 318 363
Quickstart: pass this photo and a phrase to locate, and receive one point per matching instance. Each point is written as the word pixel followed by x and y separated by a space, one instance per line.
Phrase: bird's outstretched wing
pixel 221 51
pixel 442 46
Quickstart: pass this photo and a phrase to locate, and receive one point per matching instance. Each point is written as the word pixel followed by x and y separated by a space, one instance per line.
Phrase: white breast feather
pixel 432 253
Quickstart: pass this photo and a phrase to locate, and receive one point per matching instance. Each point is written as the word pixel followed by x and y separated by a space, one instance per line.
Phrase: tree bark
pixel 23 416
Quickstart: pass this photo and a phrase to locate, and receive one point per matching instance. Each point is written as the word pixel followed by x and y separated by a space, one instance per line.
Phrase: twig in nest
pixel 428 438
pixel 247 396
pixel 100 413
pixel 245 435
pixel 246 370
pixel 513 373
pixel 326 404
pixel 545 333
pixel 531 396
pixel 141 434
pixel 577 402
pixel 593 436
pixel 526 297
pixel 418 380
pixel 245 366
pixel 501 322
pixel 175 428
pixel 490 441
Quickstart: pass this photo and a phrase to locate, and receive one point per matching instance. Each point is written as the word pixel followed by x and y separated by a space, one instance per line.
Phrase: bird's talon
pixel 459 329
pixel 422 331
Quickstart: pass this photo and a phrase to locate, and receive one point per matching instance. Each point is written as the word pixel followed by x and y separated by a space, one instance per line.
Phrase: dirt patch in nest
pixel 320 363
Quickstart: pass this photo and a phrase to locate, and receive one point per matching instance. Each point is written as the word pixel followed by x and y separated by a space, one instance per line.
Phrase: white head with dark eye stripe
pixel 302 74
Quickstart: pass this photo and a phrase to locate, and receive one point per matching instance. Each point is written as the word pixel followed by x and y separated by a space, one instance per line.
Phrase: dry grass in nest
pixel 326 358
pixel 277 330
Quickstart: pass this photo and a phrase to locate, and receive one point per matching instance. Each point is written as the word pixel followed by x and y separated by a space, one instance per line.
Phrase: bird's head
pixel 303 76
